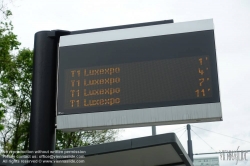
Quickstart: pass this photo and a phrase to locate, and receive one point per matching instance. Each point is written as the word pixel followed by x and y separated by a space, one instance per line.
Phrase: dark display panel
pixel 147 72
pixel 140 82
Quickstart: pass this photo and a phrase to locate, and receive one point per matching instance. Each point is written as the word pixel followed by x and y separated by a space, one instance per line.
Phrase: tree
pixel 78 139
pixel 8 42
pixel 16 99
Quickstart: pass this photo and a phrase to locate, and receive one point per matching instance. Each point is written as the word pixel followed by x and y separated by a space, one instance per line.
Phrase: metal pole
pixel 44 86
pixel 153 130
pixel 189 143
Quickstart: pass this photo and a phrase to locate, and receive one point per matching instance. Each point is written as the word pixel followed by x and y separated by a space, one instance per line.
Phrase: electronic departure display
pixel 140 82
pixel 148 72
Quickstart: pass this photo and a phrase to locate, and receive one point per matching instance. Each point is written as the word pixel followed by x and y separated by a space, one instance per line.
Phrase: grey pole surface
pixel 153 130
pixel 189 142
pixel 44 87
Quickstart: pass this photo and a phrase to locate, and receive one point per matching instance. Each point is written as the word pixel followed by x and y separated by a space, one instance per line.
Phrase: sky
pixel 232 37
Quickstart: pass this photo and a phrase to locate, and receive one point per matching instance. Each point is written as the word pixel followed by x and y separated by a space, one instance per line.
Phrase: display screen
pixel 138 73
pixel 140 82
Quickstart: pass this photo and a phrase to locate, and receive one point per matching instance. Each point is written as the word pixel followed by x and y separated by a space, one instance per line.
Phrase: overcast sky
pixel 232 33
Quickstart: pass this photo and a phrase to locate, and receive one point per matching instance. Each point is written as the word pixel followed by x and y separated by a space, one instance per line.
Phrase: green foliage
pixel 15 87
pixel 15 98
pixel 8 42
pixel 78 139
